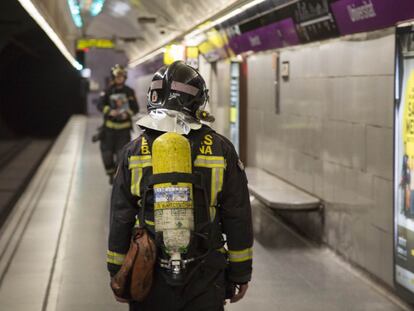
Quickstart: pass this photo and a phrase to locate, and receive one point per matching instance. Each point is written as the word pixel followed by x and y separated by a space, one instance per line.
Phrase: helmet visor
pixel 165 120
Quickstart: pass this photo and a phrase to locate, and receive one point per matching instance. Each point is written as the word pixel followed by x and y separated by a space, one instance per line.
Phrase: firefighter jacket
pixel 127 106
pixel 216 159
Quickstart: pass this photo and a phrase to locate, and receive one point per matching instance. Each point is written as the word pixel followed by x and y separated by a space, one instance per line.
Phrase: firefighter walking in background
pixel 118 104
pixel 183 185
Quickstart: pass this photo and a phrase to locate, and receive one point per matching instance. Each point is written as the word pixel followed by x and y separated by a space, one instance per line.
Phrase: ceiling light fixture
pixel 119 9
pixel 220 20
pixel 191 37
pixel 40 20
pixel 139 61
pixel 82 10
pixel 75 12
pixel 96 7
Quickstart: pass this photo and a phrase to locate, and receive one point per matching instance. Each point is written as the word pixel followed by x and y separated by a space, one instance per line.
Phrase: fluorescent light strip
pixel 35 14
pixel 75 13
pixel 146 57
pixel 96 7
pixel 223 18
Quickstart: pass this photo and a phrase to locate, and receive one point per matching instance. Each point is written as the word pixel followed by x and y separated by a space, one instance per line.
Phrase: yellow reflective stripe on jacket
pixel 140 161
pixel 217 164
pixel 136 165
pixel 217 175
pixel 210 161
pixel 222 250
pixel 118 125
pixel 240 256
pixel 148 222
pixel 115 258
pixel 106 109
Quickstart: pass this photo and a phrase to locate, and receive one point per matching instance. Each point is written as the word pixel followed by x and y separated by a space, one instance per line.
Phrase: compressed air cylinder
pixel 173 203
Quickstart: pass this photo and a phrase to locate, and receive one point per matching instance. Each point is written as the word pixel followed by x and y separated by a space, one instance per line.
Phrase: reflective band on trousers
pixel 240 256
pixel 217 165
pixel 115 258
pixel 117 126
pixel 136 164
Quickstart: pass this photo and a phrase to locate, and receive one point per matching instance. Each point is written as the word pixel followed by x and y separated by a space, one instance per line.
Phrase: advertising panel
pixel 404 163
pixel 235 104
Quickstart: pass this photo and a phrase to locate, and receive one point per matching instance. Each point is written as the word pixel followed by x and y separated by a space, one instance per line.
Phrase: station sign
pixel 300 22
pixel 404 164
pixel 354 16
pixel 82 44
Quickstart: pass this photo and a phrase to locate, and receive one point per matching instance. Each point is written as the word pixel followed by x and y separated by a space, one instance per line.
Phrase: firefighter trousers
pixel 204 292
pixel 111 147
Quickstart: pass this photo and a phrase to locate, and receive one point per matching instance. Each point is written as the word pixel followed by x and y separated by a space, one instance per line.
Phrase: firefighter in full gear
pixel 183 183
pixel 118 104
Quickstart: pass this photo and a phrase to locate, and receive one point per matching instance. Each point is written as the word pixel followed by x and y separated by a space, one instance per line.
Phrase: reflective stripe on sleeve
pixel 136 223
pixel 240 256
pixel 149 222
pixel 106 109
pixel 222 250
pixel 115 258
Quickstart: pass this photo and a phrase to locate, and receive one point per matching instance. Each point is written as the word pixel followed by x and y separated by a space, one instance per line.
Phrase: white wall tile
pixel 344 143
pixel 386 260
pixel 381 214
pixel 333 137
pixel 380 151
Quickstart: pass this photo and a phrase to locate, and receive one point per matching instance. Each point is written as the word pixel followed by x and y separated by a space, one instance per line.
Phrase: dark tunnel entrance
pixel 40 89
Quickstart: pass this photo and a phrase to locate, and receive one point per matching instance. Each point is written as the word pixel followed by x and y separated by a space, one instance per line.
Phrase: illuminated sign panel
pixel 404 164
pixel 95 43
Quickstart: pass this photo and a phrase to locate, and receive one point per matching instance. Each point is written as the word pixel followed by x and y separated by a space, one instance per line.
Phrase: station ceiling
pixel 138 26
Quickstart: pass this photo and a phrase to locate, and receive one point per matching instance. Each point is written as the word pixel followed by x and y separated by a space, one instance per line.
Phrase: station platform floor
pixel 53 247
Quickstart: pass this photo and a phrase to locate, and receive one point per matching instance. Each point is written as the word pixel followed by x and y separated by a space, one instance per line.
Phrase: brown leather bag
pixel 133 281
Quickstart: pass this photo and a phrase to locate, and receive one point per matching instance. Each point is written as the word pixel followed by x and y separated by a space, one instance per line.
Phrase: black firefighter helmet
pixel 176 89
pixel 118 70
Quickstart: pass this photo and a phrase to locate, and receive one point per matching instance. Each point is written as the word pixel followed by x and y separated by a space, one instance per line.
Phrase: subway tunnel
pixel 298 117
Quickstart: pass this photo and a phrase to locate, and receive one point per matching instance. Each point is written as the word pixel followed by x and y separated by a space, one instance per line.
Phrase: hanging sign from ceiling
pixel 95 43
